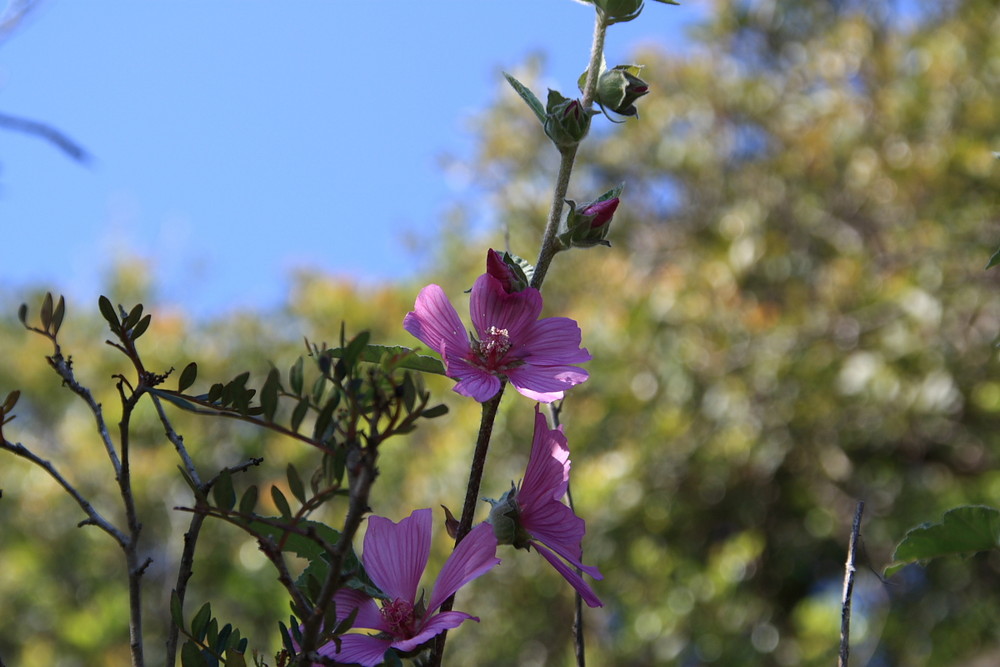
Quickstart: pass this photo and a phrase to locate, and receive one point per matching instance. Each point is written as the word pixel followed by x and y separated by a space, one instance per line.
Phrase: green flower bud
pixel 505 519
pixel 619 11
pixel 619 88
pixel 589 225
pixel 566 121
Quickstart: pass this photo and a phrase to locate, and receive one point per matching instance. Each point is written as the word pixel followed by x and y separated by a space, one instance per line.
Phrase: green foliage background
pixel 794 316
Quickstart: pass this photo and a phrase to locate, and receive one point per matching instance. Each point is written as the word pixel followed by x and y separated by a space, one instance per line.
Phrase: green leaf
pixel 199 624
pixel 176 609
pixel 47 311
pixel 191 656
pixel 141 326
pixel 10 401
pixel 436 411
pixel 58 314
pixel 354 349
pixel 222 491
pixel 300 545
pixel 324 417
pixel 963 530
pixel 281 502
pixel 22 314
pixel 133 317
pixel 234 658
pixel 994 260
pixel 108 311
pixel 249 500
pixel 295 377
pixel 295 484
pixel 299 413
pixel 529 97
pixel 269 394
pixel 188 376
pixel 407 358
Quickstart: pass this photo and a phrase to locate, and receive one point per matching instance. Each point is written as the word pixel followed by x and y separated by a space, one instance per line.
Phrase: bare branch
pixel 845 601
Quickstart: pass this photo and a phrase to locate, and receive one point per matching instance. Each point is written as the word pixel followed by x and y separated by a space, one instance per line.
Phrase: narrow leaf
pixel 234 658
pixel 10 401
pixel 58 314
pixel 281 502
pixel 436 411
pixel 199 624
pixel 249 500
pixel 994 260
pixel 191 656
pixel 295 484
pixel 299 413
pixel 222 491
pixel 22 314
pixel 269 394
pixel 108 311
pixel 141 327
pixel 176 610
pixel 46 313
pixel 188 376
pixel 529 97
pixel 295 377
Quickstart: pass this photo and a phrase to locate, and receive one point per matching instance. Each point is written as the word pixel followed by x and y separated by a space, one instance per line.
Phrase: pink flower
pixel 533 515
pixel 510 341
pixel 395 556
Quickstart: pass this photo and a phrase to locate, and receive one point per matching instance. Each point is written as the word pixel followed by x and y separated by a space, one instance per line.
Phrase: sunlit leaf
pixel 963 530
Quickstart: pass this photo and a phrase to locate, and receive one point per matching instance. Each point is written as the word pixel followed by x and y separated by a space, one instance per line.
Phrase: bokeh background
pixel 794 316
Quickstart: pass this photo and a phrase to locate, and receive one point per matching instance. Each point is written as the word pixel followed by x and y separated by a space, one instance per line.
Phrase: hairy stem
pixel 550 244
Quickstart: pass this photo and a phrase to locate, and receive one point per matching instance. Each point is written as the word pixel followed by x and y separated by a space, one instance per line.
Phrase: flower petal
pixel 434 626
pixel 545 383
pixel 552 341
pixel 369 616
pixel 395 555
pixel 560 529
pixel 473 381
pixel 473 556
pixel 547 474
pixel 435 321
pixel 570 575
pixel 491 306
pixel 357 649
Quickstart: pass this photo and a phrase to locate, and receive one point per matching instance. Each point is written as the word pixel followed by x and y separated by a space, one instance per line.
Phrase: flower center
pixel 399 616
pixel 492 348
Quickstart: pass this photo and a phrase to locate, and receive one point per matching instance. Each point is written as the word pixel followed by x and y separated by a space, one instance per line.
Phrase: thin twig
pixel 93 516
pixel 845 601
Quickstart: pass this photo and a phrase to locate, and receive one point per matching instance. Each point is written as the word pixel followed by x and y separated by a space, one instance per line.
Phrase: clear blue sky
pixel 234 141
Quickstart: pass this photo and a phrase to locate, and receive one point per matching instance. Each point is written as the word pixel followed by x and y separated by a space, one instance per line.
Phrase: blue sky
pixel 234 141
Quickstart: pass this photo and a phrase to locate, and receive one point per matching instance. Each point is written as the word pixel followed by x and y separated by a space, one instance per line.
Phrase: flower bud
pixel 507 270
pixel 619 11
pixel 566 121
pixel 505 519
pixel 619 88
pixel 589 225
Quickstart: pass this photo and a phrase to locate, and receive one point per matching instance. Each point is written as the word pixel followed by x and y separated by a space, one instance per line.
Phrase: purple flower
pixel 533 515
pixel 510 341
pixel 395 555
